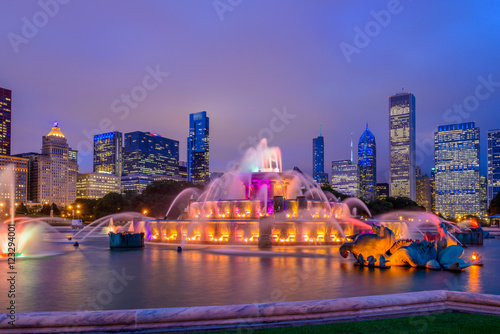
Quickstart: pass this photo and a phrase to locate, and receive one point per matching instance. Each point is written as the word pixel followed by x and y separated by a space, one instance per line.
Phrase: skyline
pixel 65 73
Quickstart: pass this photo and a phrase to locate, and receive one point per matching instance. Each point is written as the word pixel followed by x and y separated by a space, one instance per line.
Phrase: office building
pixel 402 145
pixel 5 120
pixel 493 176
pixel 483 186
pixel 150 154
pixel 108 153
pixel 135 183
pixel 456 159
pixel 198 170
pixel 53 173
pixel 183 169
pixel 319 174
pixel 433 189
pixel 19 181
pixel 382 191
pixel 423 190
pixel 97 185
pixel 345 177
pixel 367 163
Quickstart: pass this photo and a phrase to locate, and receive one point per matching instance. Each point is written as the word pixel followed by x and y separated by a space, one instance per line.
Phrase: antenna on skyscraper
pixel 402 88
pixel 320 131
pixel 351 148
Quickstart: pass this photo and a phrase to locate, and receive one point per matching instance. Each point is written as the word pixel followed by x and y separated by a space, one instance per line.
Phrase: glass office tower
pixel 150 154
pixel 402 145
pixel 456 159
pixel 319 174
pixel 493 186
pixel 108 153
pixel 198 148
pixel 367 162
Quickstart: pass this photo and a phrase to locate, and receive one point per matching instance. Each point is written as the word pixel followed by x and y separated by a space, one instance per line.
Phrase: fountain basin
pixel 126 240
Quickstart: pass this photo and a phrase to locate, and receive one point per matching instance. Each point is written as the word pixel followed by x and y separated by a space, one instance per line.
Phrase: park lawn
pixel 452 322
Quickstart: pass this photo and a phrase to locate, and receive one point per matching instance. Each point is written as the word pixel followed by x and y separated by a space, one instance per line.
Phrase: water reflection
pixel 161 277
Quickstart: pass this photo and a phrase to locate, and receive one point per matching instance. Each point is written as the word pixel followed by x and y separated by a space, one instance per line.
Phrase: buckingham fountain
pixel 257 204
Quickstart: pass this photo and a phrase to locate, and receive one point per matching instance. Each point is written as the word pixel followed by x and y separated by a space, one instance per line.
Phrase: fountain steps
pixel 189 319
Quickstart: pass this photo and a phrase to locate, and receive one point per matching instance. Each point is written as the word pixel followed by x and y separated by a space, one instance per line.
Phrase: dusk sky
pixel 244 62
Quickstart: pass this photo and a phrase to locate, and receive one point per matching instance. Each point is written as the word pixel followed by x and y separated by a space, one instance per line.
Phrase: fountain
pixel 259 204
pixel 22 237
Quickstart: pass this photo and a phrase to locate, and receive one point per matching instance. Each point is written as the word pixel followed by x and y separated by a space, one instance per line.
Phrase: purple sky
pixel 262 56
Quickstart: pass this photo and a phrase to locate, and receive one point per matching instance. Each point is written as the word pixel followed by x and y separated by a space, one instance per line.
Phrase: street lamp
pixel 145 212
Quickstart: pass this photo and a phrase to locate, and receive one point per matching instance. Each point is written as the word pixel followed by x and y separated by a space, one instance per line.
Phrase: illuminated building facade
pixel 483 186
pixel 319 174
pixel 198 168
pixel 367 163
pixel 493 186
pixel 345 177
pixel 54 172
pixel 5 120
pixel 456 159
pixel 97 185
pixel 423 190
pixel 382 190
pixel 150 154
pixel 433 189
pixel 135 183
pixel 20 166
pixel 402 145
pixel 108 153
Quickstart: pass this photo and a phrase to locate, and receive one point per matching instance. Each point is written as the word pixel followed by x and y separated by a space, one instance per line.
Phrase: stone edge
pixel 180 319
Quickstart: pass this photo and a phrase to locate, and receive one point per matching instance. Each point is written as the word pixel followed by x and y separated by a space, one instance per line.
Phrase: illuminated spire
pixel 56 132
pixel 351 149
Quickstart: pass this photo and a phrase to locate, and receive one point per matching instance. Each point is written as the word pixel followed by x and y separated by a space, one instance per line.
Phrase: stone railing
pixel 254 315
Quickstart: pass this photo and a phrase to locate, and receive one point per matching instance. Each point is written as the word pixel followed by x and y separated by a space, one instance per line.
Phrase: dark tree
pixel 55 210
pixel 157 198
pixel 393 203
pixel 494 208
pixel 21 209
pixel 45 209
pixel 328 187
pixel 109 204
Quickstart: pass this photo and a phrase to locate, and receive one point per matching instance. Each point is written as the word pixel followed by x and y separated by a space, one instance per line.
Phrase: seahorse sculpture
pixel 369 244
pixel 381 245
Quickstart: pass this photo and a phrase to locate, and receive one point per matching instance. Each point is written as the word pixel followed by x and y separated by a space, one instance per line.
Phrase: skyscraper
pixel 493 164
pixel 319 174
pixel 198 148
pixel 54 172
pixel 20 167
pixel 423 190
pixel 150 154
pixel 367 163
pixel 345 177
pixel 108 153
pixel 97 185
pixel 456 158
pixel 402 145
pixel 5 119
